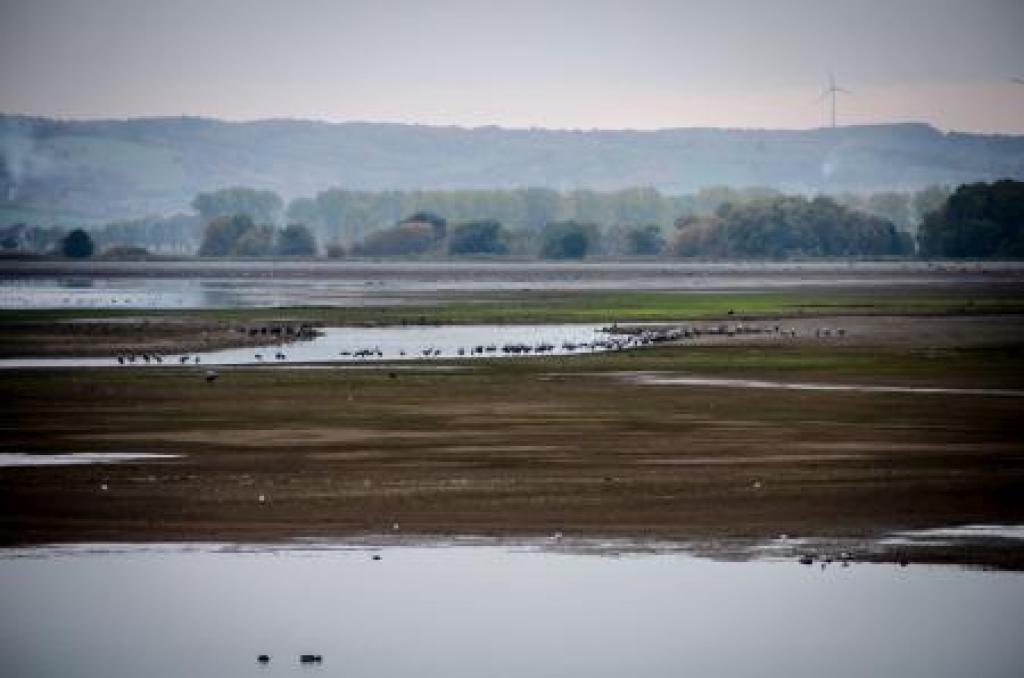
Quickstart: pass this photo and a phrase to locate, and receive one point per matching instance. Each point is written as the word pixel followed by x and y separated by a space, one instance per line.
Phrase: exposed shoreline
pixel 527 448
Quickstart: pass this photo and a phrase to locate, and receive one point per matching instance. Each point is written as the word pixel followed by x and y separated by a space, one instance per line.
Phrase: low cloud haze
pixel 575 64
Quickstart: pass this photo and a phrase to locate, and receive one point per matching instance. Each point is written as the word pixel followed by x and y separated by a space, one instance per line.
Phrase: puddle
pixel 950 535
pixel 8 459
pixel 377 344
pixel 469 610
pixel 674 380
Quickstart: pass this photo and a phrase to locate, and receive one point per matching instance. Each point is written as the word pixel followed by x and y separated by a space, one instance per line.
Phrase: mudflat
pixel 529 447
pixel 567 445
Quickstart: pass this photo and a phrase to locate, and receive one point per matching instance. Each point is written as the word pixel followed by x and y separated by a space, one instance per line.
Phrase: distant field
pixel 42 217
pixel 583 307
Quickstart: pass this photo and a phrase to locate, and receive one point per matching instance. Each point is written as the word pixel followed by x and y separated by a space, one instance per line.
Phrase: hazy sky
pixel 519 63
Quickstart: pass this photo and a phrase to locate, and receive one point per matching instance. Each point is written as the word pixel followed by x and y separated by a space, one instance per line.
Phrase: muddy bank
pixel 503 450
pixel 150 335
pixel 881 330
pixel 178 334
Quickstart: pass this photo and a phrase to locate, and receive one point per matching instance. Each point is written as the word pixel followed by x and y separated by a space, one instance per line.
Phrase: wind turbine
pixel 833 90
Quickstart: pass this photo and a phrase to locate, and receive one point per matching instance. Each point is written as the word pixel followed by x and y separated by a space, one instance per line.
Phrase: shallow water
pixel 266 283
pixel 10 459
pixel 493 610
pixel 395 343
pixel 961 533
pixel 159 293
pixel 714 382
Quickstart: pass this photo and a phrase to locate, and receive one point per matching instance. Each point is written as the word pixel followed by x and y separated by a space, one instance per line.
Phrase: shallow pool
pixel 367 344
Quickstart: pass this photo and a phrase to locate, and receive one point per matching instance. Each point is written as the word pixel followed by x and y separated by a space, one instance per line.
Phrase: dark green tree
pixel 567 240
pixel 645 240
pixel 296 240
pixel 77 245
pixel 788 226
pixel 978 220
pixel 401 240
pixel 257 241
pixel 220 239
pixel 478 237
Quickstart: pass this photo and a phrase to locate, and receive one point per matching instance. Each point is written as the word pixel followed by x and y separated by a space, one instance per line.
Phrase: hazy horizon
pixel 605 64
pixel 469 127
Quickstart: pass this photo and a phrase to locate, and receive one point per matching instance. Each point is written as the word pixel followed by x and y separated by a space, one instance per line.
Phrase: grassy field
pixel 586 307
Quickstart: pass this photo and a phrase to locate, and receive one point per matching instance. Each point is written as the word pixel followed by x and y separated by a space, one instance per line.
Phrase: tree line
pixel 975 220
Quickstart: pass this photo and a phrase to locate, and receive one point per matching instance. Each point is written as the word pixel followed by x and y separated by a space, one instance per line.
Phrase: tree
pixel 222 235
pixel 930 199
pixel 478 237
pixel 567 240
pixel 77 245
pixel 891 206
pixel 645 240
pixel 304 211
pixel 401 240
pixel 296 240
pixel 260 206
pixel 257 241
pixel 438 224
pixel 125 252
pixel 788 226
pixel 178 233
pixel 978 220
pixel 542 206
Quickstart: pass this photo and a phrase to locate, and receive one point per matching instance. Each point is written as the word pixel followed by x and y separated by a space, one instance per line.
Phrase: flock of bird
pixel 616 338
pixel 612 343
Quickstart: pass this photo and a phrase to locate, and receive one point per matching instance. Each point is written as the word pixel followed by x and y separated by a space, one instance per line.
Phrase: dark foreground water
pixel 493 610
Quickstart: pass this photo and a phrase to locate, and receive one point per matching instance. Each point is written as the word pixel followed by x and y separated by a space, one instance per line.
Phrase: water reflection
pixel 464 611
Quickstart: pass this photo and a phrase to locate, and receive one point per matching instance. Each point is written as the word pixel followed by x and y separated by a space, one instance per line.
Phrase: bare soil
pixel 520 448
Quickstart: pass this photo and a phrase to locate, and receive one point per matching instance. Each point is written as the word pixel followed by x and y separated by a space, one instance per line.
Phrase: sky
pixel 577 64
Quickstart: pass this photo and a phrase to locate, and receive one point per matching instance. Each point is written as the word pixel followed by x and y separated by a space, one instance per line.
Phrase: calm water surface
pixel 201 283
pixel 391 343
pixel 493 610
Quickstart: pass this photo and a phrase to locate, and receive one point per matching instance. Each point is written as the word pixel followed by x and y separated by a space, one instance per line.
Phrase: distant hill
pixel 123 168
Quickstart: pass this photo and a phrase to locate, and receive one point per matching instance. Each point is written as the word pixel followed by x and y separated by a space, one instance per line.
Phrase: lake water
pixel 17 459
pixel 200 283
pixel 496 610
